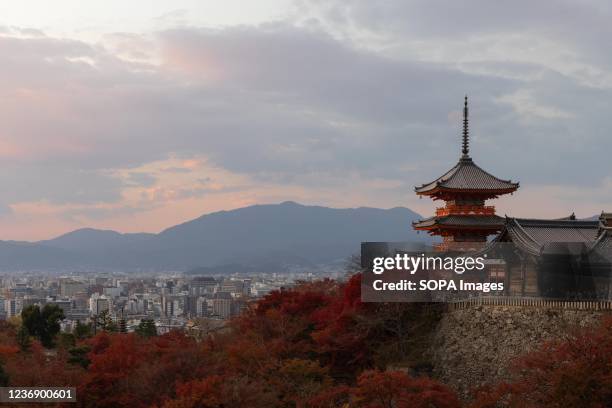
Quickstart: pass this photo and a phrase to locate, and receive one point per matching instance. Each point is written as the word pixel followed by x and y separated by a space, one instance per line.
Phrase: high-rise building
pixel 99 303
pixel 64 304
pixel 13 307
pixel 171 305
pixel 201 307
pixel 69 287
pixel 222 305
pixel 202 285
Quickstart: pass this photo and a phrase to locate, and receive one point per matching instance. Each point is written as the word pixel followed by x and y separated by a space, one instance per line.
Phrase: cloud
pixel 523 103
pixel 140 179
pixel 345 99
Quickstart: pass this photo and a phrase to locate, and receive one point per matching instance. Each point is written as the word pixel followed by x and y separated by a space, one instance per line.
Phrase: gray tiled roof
pixel 466 175
pixel 533 234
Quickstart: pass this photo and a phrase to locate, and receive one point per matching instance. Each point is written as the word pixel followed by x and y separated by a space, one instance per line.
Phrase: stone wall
pixel 475 345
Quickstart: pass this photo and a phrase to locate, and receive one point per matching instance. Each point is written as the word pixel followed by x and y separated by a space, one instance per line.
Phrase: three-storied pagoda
pixel 465 221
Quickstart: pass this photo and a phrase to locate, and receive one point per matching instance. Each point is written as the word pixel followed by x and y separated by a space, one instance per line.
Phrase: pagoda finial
pixel 466 137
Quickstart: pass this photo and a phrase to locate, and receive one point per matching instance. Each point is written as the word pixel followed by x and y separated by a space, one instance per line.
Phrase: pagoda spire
pixel 466 137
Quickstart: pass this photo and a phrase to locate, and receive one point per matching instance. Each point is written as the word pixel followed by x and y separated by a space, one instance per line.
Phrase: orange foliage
pixel 128 370
pixel 39 367
pixel 394 389
pixel 311 346
pixel 217 392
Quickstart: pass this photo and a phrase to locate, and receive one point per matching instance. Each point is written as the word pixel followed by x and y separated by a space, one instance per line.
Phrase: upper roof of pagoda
pixel 466 176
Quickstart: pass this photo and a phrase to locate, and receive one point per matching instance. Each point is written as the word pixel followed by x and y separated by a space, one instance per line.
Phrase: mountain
pixel 90 239
pixel 271 236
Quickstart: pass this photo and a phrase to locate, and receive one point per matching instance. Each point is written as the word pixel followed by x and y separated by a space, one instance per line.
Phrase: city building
pixel 222 305
pixel 202 285
pixel 70 287
pixel 13 307
pixel 99 304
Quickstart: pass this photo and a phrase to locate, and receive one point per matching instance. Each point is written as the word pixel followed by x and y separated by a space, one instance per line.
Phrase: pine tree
pixel 146 328
pixel 23 338
pixel 105 322
pixel 82 331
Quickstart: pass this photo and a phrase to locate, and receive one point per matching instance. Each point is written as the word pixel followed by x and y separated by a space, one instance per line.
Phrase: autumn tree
pixel 221 391
pixel 314 345
pixel 395 389
pixel 131 370
pixel 569 373
pixel 38 367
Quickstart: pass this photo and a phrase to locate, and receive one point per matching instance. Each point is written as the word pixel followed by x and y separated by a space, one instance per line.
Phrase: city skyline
pixel 142 121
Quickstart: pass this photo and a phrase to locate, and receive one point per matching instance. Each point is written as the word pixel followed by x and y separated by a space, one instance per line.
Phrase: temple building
pixel 465 222
pixel 560 258
pixel 563 258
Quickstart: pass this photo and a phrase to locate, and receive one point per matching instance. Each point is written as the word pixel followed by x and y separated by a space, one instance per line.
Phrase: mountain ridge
pixel 288 233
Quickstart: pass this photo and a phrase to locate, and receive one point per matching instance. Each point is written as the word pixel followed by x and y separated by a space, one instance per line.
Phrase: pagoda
pixel 465 222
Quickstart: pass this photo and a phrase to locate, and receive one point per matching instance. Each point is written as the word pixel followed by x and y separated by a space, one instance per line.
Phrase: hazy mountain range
pixel 258 237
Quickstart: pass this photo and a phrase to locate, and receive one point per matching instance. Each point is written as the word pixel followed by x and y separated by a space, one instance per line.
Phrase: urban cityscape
pixel 195 304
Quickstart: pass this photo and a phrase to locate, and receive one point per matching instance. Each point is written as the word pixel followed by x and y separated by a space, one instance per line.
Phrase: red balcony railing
pixel 465 210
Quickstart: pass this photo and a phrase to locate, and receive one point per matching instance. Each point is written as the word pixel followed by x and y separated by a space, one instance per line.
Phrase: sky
pixel 139 115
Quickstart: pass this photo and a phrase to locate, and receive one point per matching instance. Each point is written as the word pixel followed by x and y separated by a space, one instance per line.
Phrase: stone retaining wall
pixel 473 346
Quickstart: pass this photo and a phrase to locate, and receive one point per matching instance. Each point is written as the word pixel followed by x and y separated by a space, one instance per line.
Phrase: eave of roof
pixel 461 221
pixel 467 176
pixel 532 235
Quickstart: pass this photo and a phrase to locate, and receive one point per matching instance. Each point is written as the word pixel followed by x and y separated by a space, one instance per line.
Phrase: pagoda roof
pixel 467 176
pixel 461 221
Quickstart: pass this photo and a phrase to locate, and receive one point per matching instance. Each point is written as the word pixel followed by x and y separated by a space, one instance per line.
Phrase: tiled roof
pixel 533 234
pixel 466 175
pixel 487 221
pixel 544 231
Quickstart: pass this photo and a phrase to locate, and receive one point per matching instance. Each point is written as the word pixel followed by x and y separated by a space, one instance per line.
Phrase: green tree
pixel 43 324
pixel 79 355
pixel 82 331
pixel 105 322
pixel 146 328
pixel 31 320
pixel 66 340
pixel 23 338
